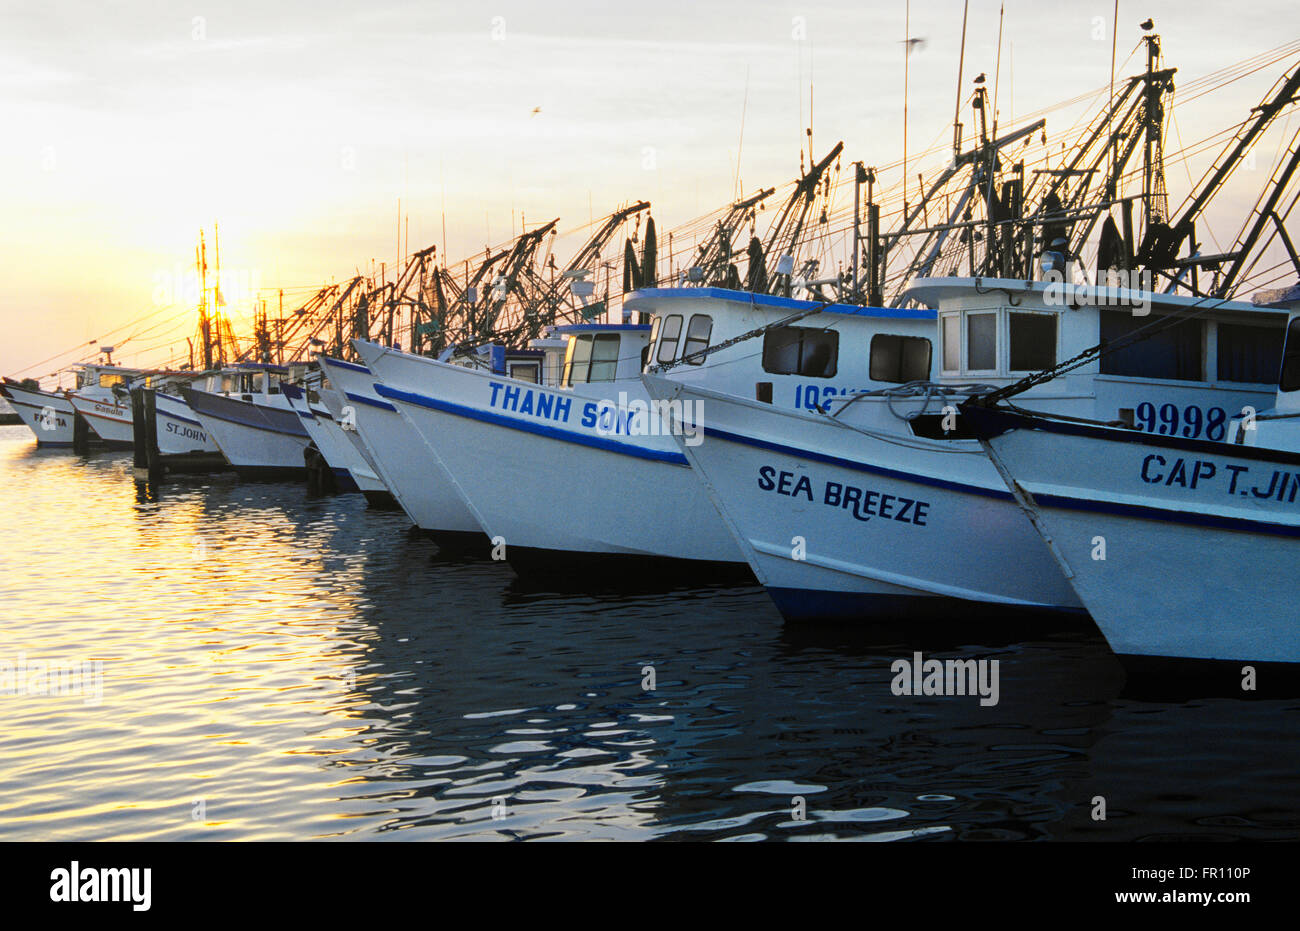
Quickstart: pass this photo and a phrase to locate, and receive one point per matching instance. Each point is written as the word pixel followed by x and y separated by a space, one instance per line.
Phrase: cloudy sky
pixel 298 126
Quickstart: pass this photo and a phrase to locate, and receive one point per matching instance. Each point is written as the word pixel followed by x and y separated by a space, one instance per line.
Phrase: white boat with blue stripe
pixel 252 423
pixel 419 484
pixel 884 505
pixel 588 473
pixel 48 414
pixel 1180 548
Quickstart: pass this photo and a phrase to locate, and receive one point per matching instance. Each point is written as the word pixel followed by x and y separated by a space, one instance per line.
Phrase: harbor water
pixel 260 664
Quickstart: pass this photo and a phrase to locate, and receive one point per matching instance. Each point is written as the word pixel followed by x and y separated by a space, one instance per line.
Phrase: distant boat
pixel 183 442
pixel 1178 547
pixel 252 423
pixel 49 415
pixel 103 398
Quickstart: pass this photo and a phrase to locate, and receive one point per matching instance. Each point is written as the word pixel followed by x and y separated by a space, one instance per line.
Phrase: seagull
pixel 914 44
pixel 1148 25
pixel 980 79
pixel 536 110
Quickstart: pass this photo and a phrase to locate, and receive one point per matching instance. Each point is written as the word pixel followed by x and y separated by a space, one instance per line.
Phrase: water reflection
pixel 284 667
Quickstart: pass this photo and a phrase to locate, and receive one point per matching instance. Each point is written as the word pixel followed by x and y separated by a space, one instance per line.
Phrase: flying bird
pixel 536 110
pixel 1148 25
pixel 914 44
pixel 980 79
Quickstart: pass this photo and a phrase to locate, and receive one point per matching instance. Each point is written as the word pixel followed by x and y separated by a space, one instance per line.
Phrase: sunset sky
pixel 298 126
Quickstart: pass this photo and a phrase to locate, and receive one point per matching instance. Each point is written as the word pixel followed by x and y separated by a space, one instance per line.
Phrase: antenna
pixel 442 180
pixel 961 67
pixel 810 102
pixel 907 58
pixel 1110 118
pixel 997 75
pixel 744 107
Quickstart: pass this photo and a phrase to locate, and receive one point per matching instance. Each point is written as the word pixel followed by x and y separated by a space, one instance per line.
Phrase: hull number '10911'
pixel 862 503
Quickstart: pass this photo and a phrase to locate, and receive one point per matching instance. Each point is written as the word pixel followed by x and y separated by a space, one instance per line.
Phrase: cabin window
pixel 108 381
pixel 1174 353
pixel 697 336
pixel 900 359
pixel 604 357
pixel 952 343
pixel 796 350
pixel 1250 354
pixel 579 360
pixel 981 342
pixel 1032 341
pixel 1290 380
pixel 525 371
pixel 668 335
pixel 591 358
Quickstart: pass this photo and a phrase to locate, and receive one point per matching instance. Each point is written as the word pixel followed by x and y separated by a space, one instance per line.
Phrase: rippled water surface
pixel 280 667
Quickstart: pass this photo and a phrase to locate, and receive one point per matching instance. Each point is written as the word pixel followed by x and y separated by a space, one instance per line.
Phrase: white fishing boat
pixel 418 482
pixel 181 437
pixel 103 397
pixel 49 414
pixel 884 505
pixel 1179 547
pixel 587 472
pixel 252 423
pixel 350 471
pixel 364 470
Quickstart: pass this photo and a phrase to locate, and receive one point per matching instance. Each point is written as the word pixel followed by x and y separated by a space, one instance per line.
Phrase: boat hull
pixel 420 485
pixel 843 526
pixel 261 441
pixel 364 471
pixel 50 417
pixel 1179 548
pixel 328 438
pixel 553 484
pixel 109 419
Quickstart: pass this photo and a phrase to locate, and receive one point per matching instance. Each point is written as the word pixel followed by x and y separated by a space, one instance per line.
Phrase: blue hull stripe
pixel 373 402
pixel 962 487
pixel 171 416
pixel 350 366
pixel 1168 515
pixel 537 429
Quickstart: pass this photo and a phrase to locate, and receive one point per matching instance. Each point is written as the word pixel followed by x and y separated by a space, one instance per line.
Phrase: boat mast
pixel 205 322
